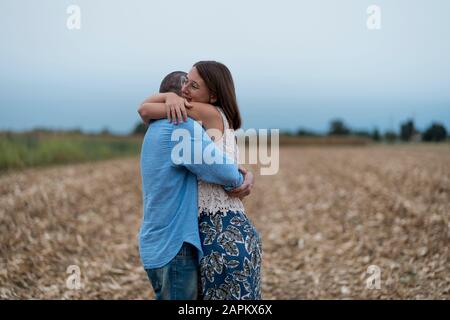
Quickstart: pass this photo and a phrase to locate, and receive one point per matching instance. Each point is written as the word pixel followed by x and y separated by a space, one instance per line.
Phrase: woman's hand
pixel 176 108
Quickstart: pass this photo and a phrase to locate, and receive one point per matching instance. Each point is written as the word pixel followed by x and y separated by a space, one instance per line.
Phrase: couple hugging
pixel 196 241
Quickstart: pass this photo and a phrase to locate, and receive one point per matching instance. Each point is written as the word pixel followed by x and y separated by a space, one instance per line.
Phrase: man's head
pixel 172 82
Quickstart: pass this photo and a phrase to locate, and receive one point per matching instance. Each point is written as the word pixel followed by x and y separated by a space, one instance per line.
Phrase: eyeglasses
pixel 191 85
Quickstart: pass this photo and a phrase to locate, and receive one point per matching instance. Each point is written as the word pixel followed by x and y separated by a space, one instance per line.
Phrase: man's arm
pixel 195 140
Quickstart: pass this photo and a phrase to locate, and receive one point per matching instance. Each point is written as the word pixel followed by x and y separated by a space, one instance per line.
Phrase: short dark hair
pixel 172 82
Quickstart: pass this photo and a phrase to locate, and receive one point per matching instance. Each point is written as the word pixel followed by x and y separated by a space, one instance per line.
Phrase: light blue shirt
pixel 169 188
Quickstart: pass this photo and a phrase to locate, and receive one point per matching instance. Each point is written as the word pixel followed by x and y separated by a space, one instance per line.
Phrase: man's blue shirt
pixel 169 187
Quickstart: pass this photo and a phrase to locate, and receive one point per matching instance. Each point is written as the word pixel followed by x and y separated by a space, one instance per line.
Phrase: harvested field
pixel 329 214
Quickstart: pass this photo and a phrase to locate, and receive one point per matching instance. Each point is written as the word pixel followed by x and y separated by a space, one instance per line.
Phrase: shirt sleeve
pixel 193 149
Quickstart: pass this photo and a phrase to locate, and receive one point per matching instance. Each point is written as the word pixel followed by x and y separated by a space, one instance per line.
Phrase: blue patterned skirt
pixel 231 266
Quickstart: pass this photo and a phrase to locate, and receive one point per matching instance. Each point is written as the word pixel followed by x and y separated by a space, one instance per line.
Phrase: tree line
pixel 407 132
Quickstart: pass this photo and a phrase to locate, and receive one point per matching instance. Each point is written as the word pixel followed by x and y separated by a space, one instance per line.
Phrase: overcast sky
pixel 295 63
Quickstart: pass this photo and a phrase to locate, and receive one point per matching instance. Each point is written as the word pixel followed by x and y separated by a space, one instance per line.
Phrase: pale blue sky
pixel 295 63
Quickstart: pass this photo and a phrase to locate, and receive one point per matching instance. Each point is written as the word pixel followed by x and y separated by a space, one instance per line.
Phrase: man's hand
pixel 176 108
pixel 246 187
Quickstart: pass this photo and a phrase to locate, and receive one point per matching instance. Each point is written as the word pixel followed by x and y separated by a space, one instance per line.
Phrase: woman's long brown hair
pixel 219 81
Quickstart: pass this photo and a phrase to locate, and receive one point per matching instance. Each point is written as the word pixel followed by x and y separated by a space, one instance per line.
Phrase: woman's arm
pixel 177 109
pixel 152 111
pixel 209 117
pixel 156 106
pixel 159 97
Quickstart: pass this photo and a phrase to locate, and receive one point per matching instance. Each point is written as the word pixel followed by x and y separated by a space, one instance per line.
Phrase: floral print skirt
pixel 231 266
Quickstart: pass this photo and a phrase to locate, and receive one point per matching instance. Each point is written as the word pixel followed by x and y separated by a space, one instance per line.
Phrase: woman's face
pixel 194 88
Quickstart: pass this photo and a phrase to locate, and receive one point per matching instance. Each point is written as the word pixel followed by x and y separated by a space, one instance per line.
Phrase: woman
pixel 231 266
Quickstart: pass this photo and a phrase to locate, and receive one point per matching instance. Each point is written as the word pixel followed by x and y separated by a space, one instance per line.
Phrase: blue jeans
pixel 177 280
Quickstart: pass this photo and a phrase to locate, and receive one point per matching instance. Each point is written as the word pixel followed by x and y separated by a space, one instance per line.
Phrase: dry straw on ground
pixel 326 217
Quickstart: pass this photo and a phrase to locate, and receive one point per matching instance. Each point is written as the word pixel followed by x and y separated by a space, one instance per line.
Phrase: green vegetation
pixel 20 150
pixel 42 146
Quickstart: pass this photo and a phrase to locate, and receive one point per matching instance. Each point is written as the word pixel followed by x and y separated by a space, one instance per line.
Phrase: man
pixel 169 240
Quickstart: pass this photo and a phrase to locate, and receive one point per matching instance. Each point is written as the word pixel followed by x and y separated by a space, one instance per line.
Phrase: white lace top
pixel 212 197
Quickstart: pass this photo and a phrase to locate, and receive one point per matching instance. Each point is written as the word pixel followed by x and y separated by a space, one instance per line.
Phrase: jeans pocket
pixel 155 278
pixel 187 251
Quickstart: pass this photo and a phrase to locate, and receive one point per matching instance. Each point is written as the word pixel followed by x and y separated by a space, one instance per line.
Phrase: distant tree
pixel 42 130
pixel 362 133
pixel 286 133
pixel 436 132
pixel 407 130
pixel 337 127
pixel 105 132
pixel 376 135
pixel 140 128
pixel 76 131
pixel 390 136
pixel 305 132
